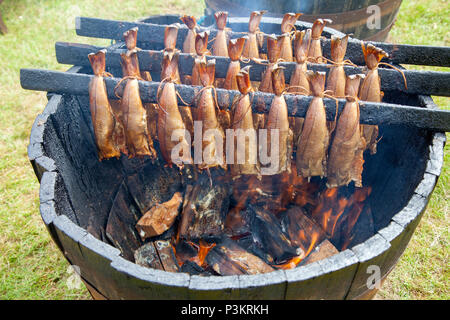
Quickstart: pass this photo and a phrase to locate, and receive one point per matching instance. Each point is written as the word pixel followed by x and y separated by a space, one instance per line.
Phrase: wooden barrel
pixel 349 16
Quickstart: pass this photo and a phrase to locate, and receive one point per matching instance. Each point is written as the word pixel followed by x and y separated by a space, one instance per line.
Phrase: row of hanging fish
pixel 323 148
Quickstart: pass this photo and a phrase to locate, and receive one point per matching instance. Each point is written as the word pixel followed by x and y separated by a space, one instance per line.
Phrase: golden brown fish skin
pixel 206 112
pixel 243 120
pixel 287 24
pixel 169 65
pixel 101 113
pixel 235 47
pixel 220 43
pixel 346 153
pixel 139 143
pixel 152 119
pixel 274 51
pixel 299 81
pixel 169 70
pixel 251 49
pixel 277 119
pixel 371 91
pixel 313 142
pixel 315 49
pixel 336 76
pixel 130 68
pixel 201 43
pixel 189 42
pixel 130 38
pixel 169 119
pixel 170 36
pixel 119 131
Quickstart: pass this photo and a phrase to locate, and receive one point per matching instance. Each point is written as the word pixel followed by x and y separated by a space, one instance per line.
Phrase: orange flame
pixel 294 262
pixel 203 249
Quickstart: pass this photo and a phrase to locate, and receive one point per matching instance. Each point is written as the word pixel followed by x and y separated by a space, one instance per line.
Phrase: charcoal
pixel 153 184
pixel 205 206
pixel 238 222
pixel 194 269
pixel 185 251
pixel 167 255
pixel 147 256
pixel 228 258
pixel 269 237
pixel 158 255
pixel 300 229
pixel 322 251
pixel 119 227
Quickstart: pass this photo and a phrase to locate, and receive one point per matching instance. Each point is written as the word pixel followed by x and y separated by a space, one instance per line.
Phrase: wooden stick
pixel 153 35
pixel 419 82
pixel 371 113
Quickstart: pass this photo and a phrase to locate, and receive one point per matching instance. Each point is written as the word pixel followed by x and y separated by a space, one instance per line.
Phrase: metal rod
pixel 371 113
pixel 152 36
pixel 419 82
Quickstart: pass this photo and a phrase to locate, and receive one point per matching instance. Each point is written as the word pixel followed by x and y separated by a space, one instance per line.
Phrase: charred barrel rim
pixel 57 222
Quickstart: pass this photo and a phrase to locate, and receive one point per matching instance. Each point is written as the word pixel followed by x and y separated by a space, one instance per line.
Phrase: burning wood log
pixel 167 255
pixel 205 207
pixel 158 255
pixel 322 251
pixel 153 184
pixel 259 232
pixel 194 269
pixel 302 231
pixel 308 236
pixel 228 258
pixel 147 256
pixel 160 217
pixel 191 256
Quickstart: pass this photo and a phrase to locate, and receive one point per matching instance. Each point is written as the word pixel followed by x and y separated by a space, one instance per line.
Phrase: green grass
pixel 31 267
pixel 423 270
